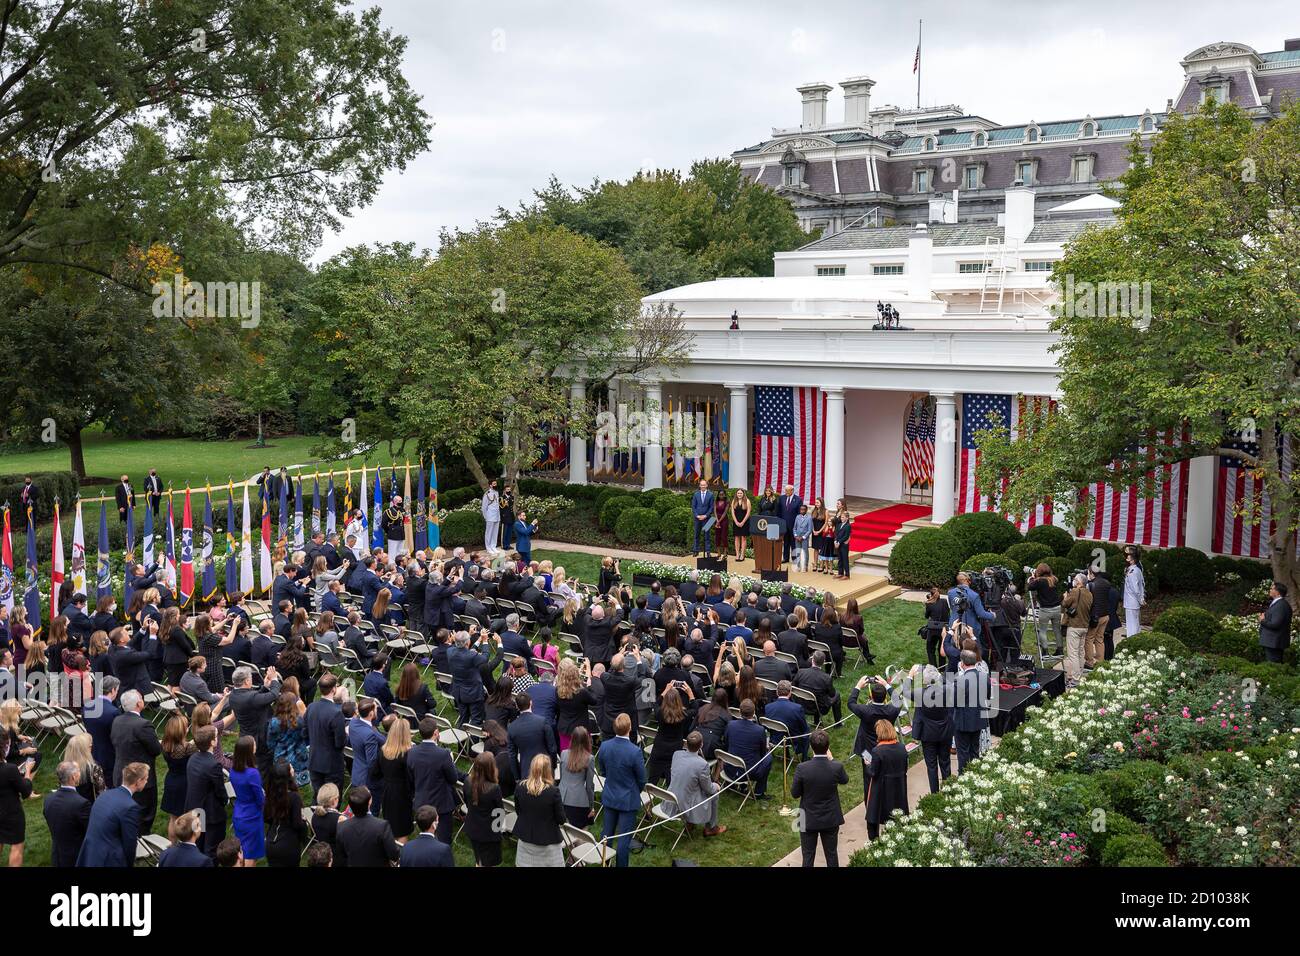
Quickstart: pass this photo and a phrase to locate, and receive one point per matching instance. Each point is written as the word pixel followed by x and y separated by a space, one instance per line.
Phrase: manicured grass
pixel 757 836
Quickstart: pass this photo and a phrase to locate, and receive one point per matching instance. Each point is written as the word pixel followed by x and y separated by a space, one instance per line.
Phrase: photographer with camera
pixel 1076 614
pixel 965 605
pixel 1043 585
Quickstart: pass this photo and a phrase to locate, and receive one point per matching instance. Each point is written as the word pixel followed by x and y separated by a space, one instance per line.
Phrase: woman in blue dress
pixel 249 797
pixel 286 735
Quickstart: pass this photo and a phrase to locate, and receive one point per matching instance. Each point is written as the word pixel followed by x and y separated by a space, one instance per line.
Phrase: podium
pixel 768 550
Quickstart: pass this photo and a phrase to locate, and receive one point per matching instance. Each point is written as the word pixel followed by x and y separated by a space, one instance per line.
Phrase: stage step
pixel 877 559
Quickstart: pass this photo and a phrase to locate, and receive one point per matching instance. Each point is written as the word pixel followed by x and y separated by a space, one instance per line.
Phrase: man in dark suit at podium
pixel 788 509
pixel 702 510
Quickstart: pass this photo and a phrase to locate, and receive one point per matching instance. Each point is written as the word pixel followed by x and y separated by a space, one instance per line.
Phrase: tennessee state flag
pixel 187 553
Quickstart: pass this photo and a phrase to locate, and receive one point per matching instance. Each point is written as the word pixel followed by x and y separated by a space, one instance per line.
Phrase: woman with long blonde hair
pixel 396 804
pixel 81 751
pixel 539 814
pixel 740 513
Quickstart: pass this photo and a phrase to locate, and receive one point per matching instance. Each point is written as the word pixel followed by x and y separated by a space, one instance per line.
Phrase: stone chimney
pixel 814 104
pixel 857 100
pixel 920 262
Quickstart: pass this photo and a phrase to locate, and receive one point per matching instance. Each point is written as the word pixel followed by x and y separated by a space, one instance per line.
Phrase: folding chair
pixel 808 699
pixel 664 809
pixel 149 848
pixel 814 646
pixel 743 781
pixel 584 849
pixel 850 640
pixel 164 702
pixel 457 741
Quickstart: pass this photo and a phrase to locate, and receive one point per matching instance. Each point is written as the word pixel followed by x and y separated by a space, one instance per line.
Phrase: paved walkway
pixel 539 543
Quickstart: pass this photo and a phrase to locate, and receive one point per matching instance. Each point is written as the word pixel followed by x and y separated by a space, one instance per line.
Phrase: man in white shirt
pixel 491 517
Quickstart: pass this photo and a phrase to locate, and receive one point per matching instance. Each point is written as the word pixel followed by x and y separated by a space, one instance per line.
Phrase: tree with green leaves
pixel 673 229
pixel 483 339
pixel 1210 226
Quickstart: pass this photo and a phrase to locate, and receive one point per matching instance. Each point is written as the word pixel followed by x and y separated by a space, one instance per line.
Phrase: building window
pixel 830 270
pixel 921 181
pixel 1148 124
pixel 793 175
pixel 969 268
pixel 928 145
pixel 1039 265
pixel 1031 134
pixel 1088 130
pixel 981 139
pixel 887 269
pixel 1025 171
pixel 971 178
pixel 1081 169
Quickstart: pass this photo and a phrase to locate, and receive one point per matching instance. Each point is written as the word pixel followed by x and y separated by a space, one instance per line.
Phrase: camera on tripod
pixel 989 583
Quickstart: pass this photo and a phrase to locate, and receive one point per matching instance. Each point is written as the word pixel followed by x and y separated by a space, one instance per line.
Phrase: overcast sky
pixel 602 88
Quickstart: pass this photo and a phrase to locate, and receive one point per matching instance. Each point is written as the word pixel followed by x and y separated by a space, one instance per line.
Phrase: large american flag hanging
pixel 1017 414
pixel 1125 516
pixel 790 439
pixel 918 442
pixel 1244 518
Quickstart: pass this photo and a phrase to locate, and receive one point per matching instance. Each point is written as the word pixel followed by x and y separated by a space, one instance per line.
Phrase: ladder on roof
pixel 994 279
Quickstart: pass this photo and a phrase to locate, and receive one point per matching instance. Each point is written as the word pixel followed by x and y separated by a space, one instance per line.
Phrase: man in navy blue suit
pixel 426 849
pixel 792 715
pixel 98 718
pixel 969 716
pixel 326 734
pixel 114 823
pixel 432 774
pixel 623 766
pixel 529 735
pixel 365 742
pixel 788 509
pixel 702 511
pixel 746 739
pixel 524 531
pixel 185 851
pixel 67 813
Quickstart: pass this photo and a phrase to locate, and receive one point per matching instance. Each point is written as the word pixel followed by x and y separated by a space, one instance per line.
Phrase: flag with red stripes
pixel 911 431
pixel 1029 413
pixel 1127 516
pixel 1021 415
pixel 1244 522
pixel 790 439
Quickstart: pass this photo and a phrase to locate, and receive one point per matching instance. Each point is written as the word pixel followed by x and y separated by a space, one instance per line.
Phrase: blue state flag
pixel 283 526
pixel 376 525
pixel 103 571
pixel 418 508
pixel 232 565
pixel 315 504
pixel 331 520
pixel 209 559
pixel 31 589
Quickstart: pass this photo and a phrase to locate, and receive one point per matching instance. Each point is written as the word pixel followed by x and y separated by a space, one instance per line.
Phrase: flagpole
pixel 918 64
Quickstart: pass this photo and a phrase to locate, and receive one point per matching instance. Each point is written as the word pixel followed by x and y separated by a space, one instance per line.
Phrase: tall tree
pixel 673 229
pixel 1210 224
pixel 453 351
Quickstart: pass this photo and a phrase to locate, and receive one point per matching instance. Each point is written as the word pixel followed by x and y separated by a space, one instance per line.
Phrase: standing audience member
pixel 539 814
pixel 205 787
pixel 364 840
pixel 135 741
pixel 15 787
pixel 887 779
pixel 968 714
pixel 67 814
pixel 114 825
pixel 286 830
pixel 186 831
pixel 693 788
pixel 250 797
pixel 426 850
pixel 623 767
pixel 484 811
pixel 577 779
pixel 816 786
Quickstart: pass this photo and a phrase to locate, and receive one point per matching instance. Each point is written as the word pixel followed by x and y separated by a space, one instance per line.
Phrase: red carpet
pixel 874 528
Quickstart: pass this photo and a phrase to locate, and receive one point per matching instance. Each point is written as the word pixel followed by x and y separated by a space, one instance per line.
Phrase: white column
pixel 945 454
pixel 1200 503
pixel 654 456
pixel 834 478
pixel 577 442
pixel 738 437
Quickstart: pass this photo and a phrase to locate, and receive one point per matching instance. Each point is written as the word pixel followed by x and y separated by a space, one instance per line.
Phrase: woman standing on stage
pixel 823 545
pixel 740 510
pixel 719 524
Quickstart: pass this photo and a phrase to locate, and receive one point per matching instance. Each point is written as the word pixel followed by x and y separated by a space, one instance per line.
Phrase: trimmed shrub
pixel 462 529
pixel 1223 565
pixel 1138 849
pixel 986 531
pixel 1058 540
pixel 1185 569
pixel 978 562
pixel 1027 553
pixel 670 501
pixel 1117 826
pixel 1253 571
pixel 613 507
pixel 1129 784
pixel 454 498
pixel 1082 553
pixel 637 526
pixel 1193 626
pixel 675 526
pixel 653 494
pixel 925 558
pixel 1153 641
pixel 1235 644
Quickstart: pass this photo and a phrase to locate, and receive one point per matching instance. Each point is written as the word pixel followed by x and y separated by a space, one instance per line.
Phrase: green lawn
pixel 757 836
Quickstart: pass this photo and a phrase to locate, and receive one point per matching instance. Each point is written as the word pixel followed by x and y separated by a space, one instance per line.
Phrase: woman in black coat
pixel 936 619
pixel 887 783
pixel 539 815
pixel 830 633
pixel 286 830
pixel 483 809
pixel 15 787
pixel 676 718
pixel 932 727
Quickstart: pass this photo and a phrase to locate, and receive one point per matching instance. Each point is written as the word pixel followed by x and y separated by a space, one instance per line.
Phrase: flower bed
pixel 1151 760
pixel 677 573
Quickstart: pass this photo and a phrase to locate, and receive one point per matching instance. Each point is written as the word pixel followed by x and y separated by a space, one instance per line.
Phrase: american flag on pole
pixel 1126 516
pixel 1244 518
pixel 790 439
pixel 916 63
pixel 918 442
pixel 910 432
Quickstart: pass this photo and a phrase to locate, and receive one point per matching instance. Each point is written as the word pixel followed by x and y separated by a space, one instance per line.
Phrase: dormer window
pixel 1214 87
pixel 794 175
pixel 1032 133
pixel 927 144
pixel 981 139
pixel 1148 123
pixel 793 164
pixel 1087 129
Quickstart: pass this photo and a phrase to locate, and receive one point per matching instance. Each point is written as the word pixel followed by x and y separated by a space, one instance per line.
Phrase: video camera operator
pixel 1013 608
pixel 965 605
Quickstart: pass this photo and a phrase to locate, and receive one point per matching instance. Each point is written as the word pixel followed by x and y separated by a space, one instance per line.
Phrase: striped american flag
pixel 925 442
pixel 1126 516
pixel 1244 520
pixel 1029 413
pixel 790 439
pixel 1021 415
pixel 911 434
